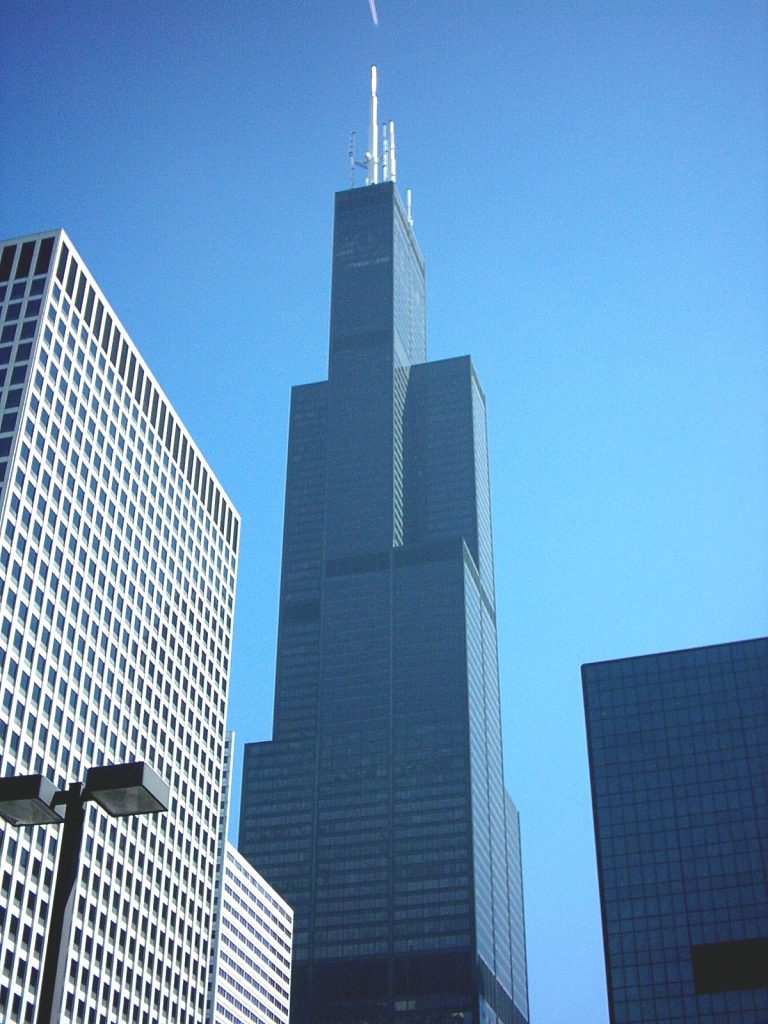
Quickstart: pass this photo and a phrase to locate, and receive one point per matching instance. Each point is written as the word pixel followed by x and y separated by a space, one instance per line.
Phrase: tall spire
pixel 373 132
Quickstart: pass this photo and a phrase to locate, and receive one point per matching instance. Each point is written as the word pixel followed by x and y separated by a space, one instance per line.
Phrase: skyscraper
pixel 379 810
pixel 678 753
pixel 118 556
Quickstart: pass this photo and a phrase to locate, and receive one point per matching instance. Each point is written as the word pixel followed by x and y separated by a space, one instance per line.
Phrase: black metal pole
pixel 54 977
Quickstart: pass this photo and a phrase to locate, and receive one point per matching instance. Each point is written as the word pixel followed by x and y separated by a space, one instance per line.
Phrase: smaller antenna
pixel 392 159
pixel 384 153
pixel 352 161
pixel 409 206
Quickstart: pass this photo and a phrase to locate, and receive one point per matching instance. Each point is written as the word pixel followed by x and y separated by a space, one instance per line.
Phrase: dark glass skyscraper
pixel 379 809
pixel 678 752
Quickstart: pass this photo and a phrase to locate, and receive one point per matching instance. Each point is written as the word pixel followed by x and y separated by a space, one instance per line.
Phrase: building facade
pixel 678 751
pixel 118 557
pixel 250 978
pixel 252 973
pixel 378 810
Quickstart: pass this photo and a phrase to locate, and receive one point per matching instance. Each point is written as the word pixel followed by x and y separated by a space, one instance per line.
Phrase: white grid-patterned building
pixel 118 558
pixel 250 979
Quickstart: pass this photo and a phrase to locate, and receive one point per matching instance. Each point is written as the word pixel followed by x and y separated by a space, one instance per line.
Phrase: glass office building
pixel 678 750
pixel 118 557
pixel 378 810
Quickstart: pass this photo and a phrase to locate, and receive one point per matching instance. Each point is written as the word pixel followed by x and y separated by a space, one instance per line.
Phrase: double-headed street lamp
pixel 121 790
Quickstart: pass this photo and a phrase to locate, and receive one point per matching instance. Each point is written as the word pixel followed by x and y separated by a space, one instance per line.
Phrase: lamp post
pixel 121 790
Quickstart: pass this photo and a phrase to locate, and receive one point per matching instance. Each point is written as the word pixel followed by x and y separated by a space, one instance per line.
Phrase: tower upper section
pixel 378 293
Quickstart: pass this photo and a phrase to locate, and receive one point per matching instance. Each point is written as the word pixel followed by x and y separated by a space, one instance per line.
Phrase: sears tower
pixel 379 810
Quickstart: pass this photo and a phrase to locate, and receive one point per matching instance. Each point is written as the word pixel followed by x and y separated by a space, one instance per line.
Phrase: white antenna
pixel 373 153
pixel 392 160
pixel 384 153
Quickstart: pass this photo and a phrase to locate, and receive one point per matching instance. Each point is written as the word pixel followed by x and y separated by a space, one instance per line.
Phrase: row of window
pixel 158 412
pixel 141 458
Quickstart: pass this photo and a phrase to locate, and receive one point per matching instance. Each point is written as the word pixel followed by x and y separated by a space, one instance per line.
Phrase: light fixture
pixel 125 789
pixel 28 800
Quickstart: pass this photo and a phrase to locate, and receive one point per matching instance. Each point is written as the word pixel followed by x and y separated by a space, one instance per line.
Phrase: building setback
pixel 118 556
pixel 678 752
pixel 250 978
pixel 379 810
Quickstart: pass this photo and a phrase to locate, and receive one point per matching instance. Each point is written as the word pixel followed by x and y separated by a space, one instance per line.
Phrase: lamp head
pixel 126 789
pixel 28 800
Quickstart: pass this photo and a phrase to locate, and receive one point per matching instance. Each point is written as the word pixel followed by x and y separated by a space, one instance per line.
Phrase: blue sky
pixel 589 184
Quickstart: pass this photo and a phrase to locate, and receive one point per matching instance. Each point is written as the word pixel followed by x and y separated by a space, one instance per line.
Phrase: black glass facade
pixel 678 747
pixel 379 810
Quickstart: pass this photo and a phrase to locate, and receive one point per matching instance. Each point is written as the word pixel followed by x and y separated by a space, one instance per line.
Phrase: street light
pixel 121 790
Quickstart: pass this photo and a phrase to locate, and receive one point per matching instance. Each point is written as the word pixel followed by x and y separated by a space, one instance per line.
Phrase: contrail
pixel 374 15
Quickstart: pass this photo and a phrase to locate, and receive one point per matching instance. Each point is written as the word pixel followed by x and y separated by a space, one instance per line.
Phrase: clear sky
pixel 589 184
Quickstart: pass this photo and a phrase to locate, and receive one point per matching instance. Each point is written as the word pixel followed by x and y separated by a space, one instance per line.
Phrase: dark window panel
pixel 71 276
pixel 149 394
pixel 6 262
pixel 63 257
pixel 80 293
pixel 13 398
pixel 123 354
pixel 189 466
pixel 208 494
pixel 138 382
pixel 97 319
pixel 25 259
pixel 160 418
pixel 89 305
pixel 44 256
pixel 131 370
pixel 730 966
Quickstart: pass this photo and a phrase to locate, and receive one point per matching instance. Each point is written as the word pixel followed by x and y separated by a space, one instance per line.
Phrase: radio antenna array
pixel 373 163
